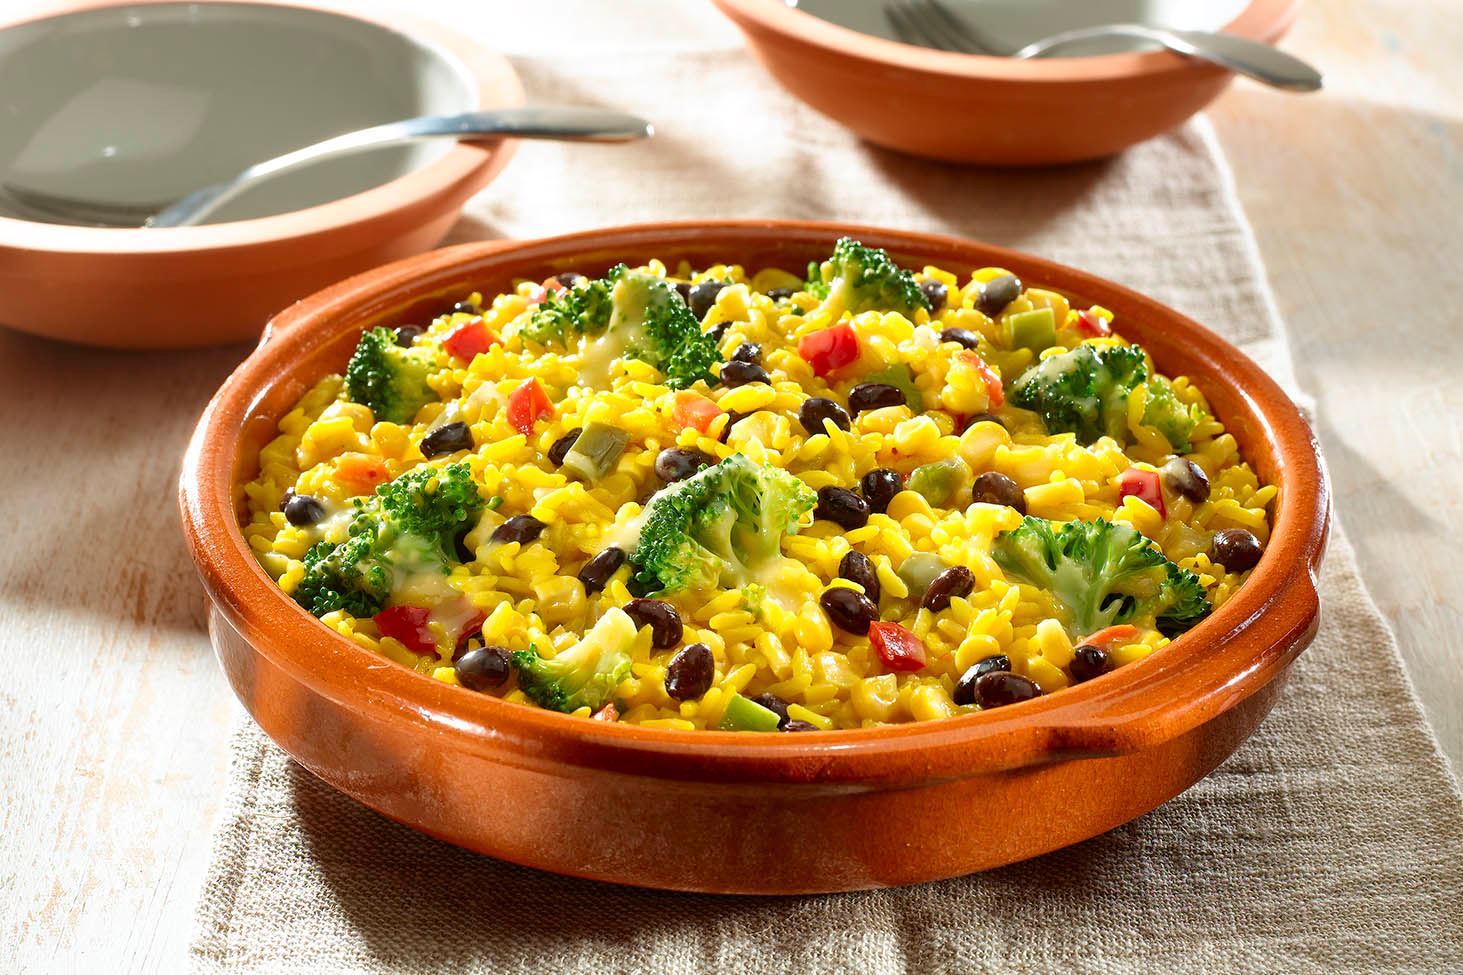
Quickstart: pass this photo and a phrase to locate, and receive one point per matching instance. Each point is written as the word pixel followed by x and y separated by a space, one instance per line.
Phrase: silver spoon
pixel 931 23
pixel 529 122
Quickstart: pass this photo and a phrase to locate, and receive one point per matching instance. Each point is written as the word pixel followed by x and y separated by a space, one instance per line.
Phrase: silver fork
pixel 931 23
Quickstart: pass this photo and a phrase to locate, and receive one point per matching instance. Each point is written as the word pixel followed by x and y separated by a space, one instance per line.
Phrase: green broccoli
pixel 1103 574
pixel 858 278
pixel 721 525
pixel 587 673
pixel 1174 418
pixel 408 526
pixel 639 316
pixel 388 378
pixel 1084 391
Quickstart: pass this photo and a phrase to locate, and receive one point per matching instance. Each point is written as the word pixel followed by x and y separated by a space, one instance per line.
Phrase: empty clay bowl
pixel 762 813
pixel 141 101
pixel 984 109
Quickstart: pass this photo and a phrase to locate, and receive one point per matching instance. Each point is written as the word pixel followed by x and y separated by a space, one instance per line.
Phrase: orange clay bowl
pixel 195 286
pixel 735 812
pixel 978 109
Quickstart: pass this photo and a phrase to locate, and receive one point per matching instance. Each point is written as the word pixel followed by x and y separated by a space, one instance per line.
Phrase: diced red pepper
pixel 1092 324
pixel 527 405
pixel 1109 636
pixel 470 340
pixel 607 713
pixel 995 389
pixel 829 349
pixel 408 626
pixel 361 473
pixel 694 410
pixel 553 284
pixel 1143 485
pixel 898 648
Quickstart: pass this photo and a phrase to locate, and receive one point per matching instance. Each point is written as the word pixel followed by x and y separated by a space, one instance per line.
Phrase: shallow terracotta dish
pixel 977 109
pixel 762 813
pixel 145 100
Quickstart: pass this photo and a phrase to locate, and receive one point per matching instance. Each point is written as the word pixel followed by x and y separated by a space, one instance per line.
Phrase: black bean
pixel 1087 662
pixel 849 610
pixel 774 704
pixel 997 293
pixel 733 417
pixel 857 567
pixel 678 463
pixel 781 294
pixel 718 331
pixel 1186 479
pixel 965 687
pixel 935 293
pixel 816 409
pixel 1236 549
pixel 993 487
pixel 689 674
pixel 447 439
pixel 796 725
pixel 879 487
pixel 661 617
pixel 747 352
pixel 874 396
pixel 954 581
pixel 301 510
pixel 683 288
pixel 519 528
pixel 407 334
pixel 484 668
pixel 562 446
pixel 597 571
pixel 569 278
pixel 961 336
pixel 465 307
pixel 703 297
pixel 1000 688
pixel 459 545
pixel 983 418
pixel 739 373
pixel 842 506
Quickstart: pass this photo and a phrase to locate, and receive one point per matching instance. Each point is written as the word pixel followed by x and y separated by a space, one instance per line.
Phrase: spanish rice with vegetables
pixel 758 502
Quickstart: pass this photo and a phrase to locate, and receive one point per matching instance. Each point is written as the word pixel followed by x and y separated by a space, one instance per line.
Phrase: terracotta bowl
pixel 145 100
pixel 764 813
pixel 976 109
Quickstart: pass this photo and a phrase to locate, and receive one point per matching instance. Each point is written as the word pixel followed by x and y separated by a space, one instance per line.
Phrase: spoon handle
pixel 1253 59
pixel 529 122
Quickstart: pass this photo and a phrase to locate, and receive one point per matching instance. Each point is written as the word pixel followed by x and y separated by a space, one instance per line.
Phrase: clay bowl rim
pixel 1261 20
pixel 489 73
pixel 1244 645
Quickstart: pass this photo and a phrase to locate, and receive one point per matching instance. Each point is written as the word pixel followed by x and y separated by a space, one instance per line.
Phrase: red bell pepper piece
pixel 608 713
pixel 527 405
pixel 898 648
pixel 470 628
pixel 1108 636
pixel 553 284
pixel 361 473
pixel 1143 485
pixel 995 389
pixel 1092 324
pixel 694 410
pixel 829 349
pixel 467 341
pixel 408 626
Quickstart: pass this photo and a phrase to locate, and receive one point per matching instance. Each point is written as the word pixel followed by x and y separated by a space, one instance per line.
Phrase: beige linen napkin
pixel 1332 841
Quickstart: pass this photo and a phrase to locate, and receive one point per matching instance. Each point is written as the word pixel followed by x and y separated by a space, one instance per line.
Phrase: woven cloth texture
pixel 1331 841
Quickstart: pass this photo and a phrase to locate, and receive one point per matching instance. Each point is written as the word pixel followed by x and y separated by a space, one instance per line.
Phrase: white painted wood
pixel 113 712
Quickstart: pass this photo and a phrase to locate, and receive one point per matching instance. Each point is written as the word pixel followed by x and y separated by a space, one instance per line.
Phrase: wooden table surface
pixel 116 714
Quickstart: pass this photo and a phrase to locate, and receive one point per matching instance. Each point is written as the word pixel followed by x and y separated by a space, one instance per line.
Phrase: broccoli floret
pixel 587 673
pixel 858 278
pixel 407 526
pixel 1174 418
pixel 639 315
pixel 1084 391
pixel 391 380
pixel 1102 573
pixel 721 525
